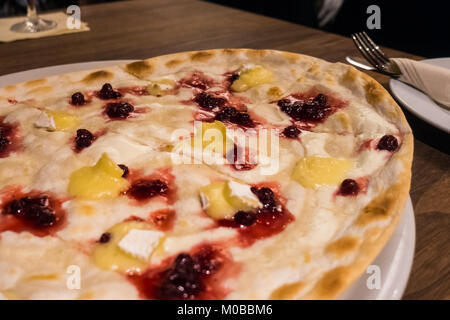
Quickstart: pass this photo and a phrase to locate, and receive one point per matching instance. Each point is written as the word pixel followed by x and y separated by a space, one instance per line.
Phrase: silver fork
pixel 374 55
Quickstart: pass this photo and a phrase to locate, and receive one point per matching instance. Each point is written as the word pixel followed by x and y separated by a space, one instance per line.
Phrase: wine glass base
pixel 28 26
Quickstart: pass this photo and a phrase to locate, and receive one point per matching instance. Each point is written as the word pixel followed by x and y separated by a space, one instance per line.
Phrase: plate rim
pixel 393 83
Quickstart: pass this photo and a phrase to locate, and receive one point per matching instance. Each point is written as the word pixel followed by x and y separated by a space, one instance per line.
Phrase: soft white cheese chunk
pixel 45 121
pixel 140 243
pixel 243 192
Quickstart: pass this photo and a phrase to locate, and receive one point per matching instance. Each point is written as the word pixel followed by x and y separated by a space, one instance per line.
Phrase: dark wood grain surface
pixel 141 29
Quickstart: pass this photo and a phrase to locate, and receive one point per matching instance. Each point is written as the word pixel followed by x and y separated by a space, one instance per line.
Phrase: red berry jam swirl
pixel 157 185
pixel 310 108
pixel 9 138
pixel 187 276
pixel 267 221
pixel 197 80
pixel 37 212
pixel 221 109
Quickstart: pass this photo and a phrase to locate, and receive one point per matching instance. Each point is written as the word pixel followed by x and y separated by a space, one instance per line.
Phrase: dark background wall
pixel 419 27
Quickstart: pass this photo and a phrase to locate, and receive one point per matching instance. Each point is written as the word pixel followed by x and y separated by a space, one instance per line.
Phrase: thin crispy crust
pixel 376 221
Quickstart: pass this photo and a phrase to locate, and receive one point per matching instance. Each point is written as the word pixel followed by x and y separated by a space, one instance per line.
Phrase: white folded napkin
pixel 432 80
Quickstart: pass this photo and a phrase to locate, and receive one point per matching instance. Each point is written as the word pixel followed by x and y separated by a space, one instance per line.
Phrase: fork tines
pixel 370 50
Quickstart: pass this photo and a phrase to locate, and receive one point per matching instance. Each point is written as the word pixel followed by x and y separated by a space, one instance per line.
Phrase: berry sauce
pixel 209 101
pixel 310 108
pixel 197 80
pixel 224 107
pixel 196 274
pixel 145 189
pixel 270 220
pixel 37 212
pixel 9 138
pixel 163 219
pixel 160 184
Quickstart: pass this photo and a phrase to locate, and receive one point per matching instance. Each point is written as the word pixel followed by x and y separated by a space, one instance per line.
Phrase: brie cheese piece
pixel 45 121
pixel 140 243
pixel 241 190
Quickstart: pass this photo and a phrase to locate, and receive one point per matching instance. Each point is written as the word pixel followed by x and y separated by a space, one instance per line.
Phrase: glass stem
pixel 31 12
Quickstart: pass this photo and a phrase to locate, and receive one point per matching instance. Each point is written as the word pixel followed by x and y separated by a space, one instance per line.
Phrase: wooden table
pixel 141 29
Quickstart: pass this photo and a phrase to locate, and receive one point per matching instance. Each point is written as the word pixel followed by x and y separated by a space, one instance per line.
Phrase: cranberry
pixel 313 110
pixel 35 210
pixel 291 132
pixel 267 198
pixel 125 170
pixel 243 119
pixel 226 114
pixel 144 189
pixel 207 262
pixel 42 201
pixel 78 99
pixel 208 101
pixel 4 143
pixel 119 110
pixel 321 99
pixel 107 92
pixel 284 104
pixel 40 216
pixel 244 218
pixel 83 139
pixel 105 237
pixel 349 187
pixel 16 207
pixel 307 111
pixel 233 77
pixel 388 143
pixel 182 281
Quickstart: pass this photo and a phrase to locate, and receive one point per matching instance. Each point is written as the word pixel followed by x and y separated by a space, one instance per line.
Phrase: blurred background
pixel 418 27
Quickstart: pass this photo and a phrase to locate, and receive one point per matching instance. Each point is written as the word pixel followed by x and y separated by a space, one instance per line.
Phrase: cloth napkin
pixel 432 80
pixel 6 35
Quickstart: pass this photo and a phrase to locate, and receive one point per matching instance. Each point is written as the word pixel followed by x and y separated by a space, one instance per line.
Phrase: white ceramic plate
pixel 419 103
pixel 394 261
